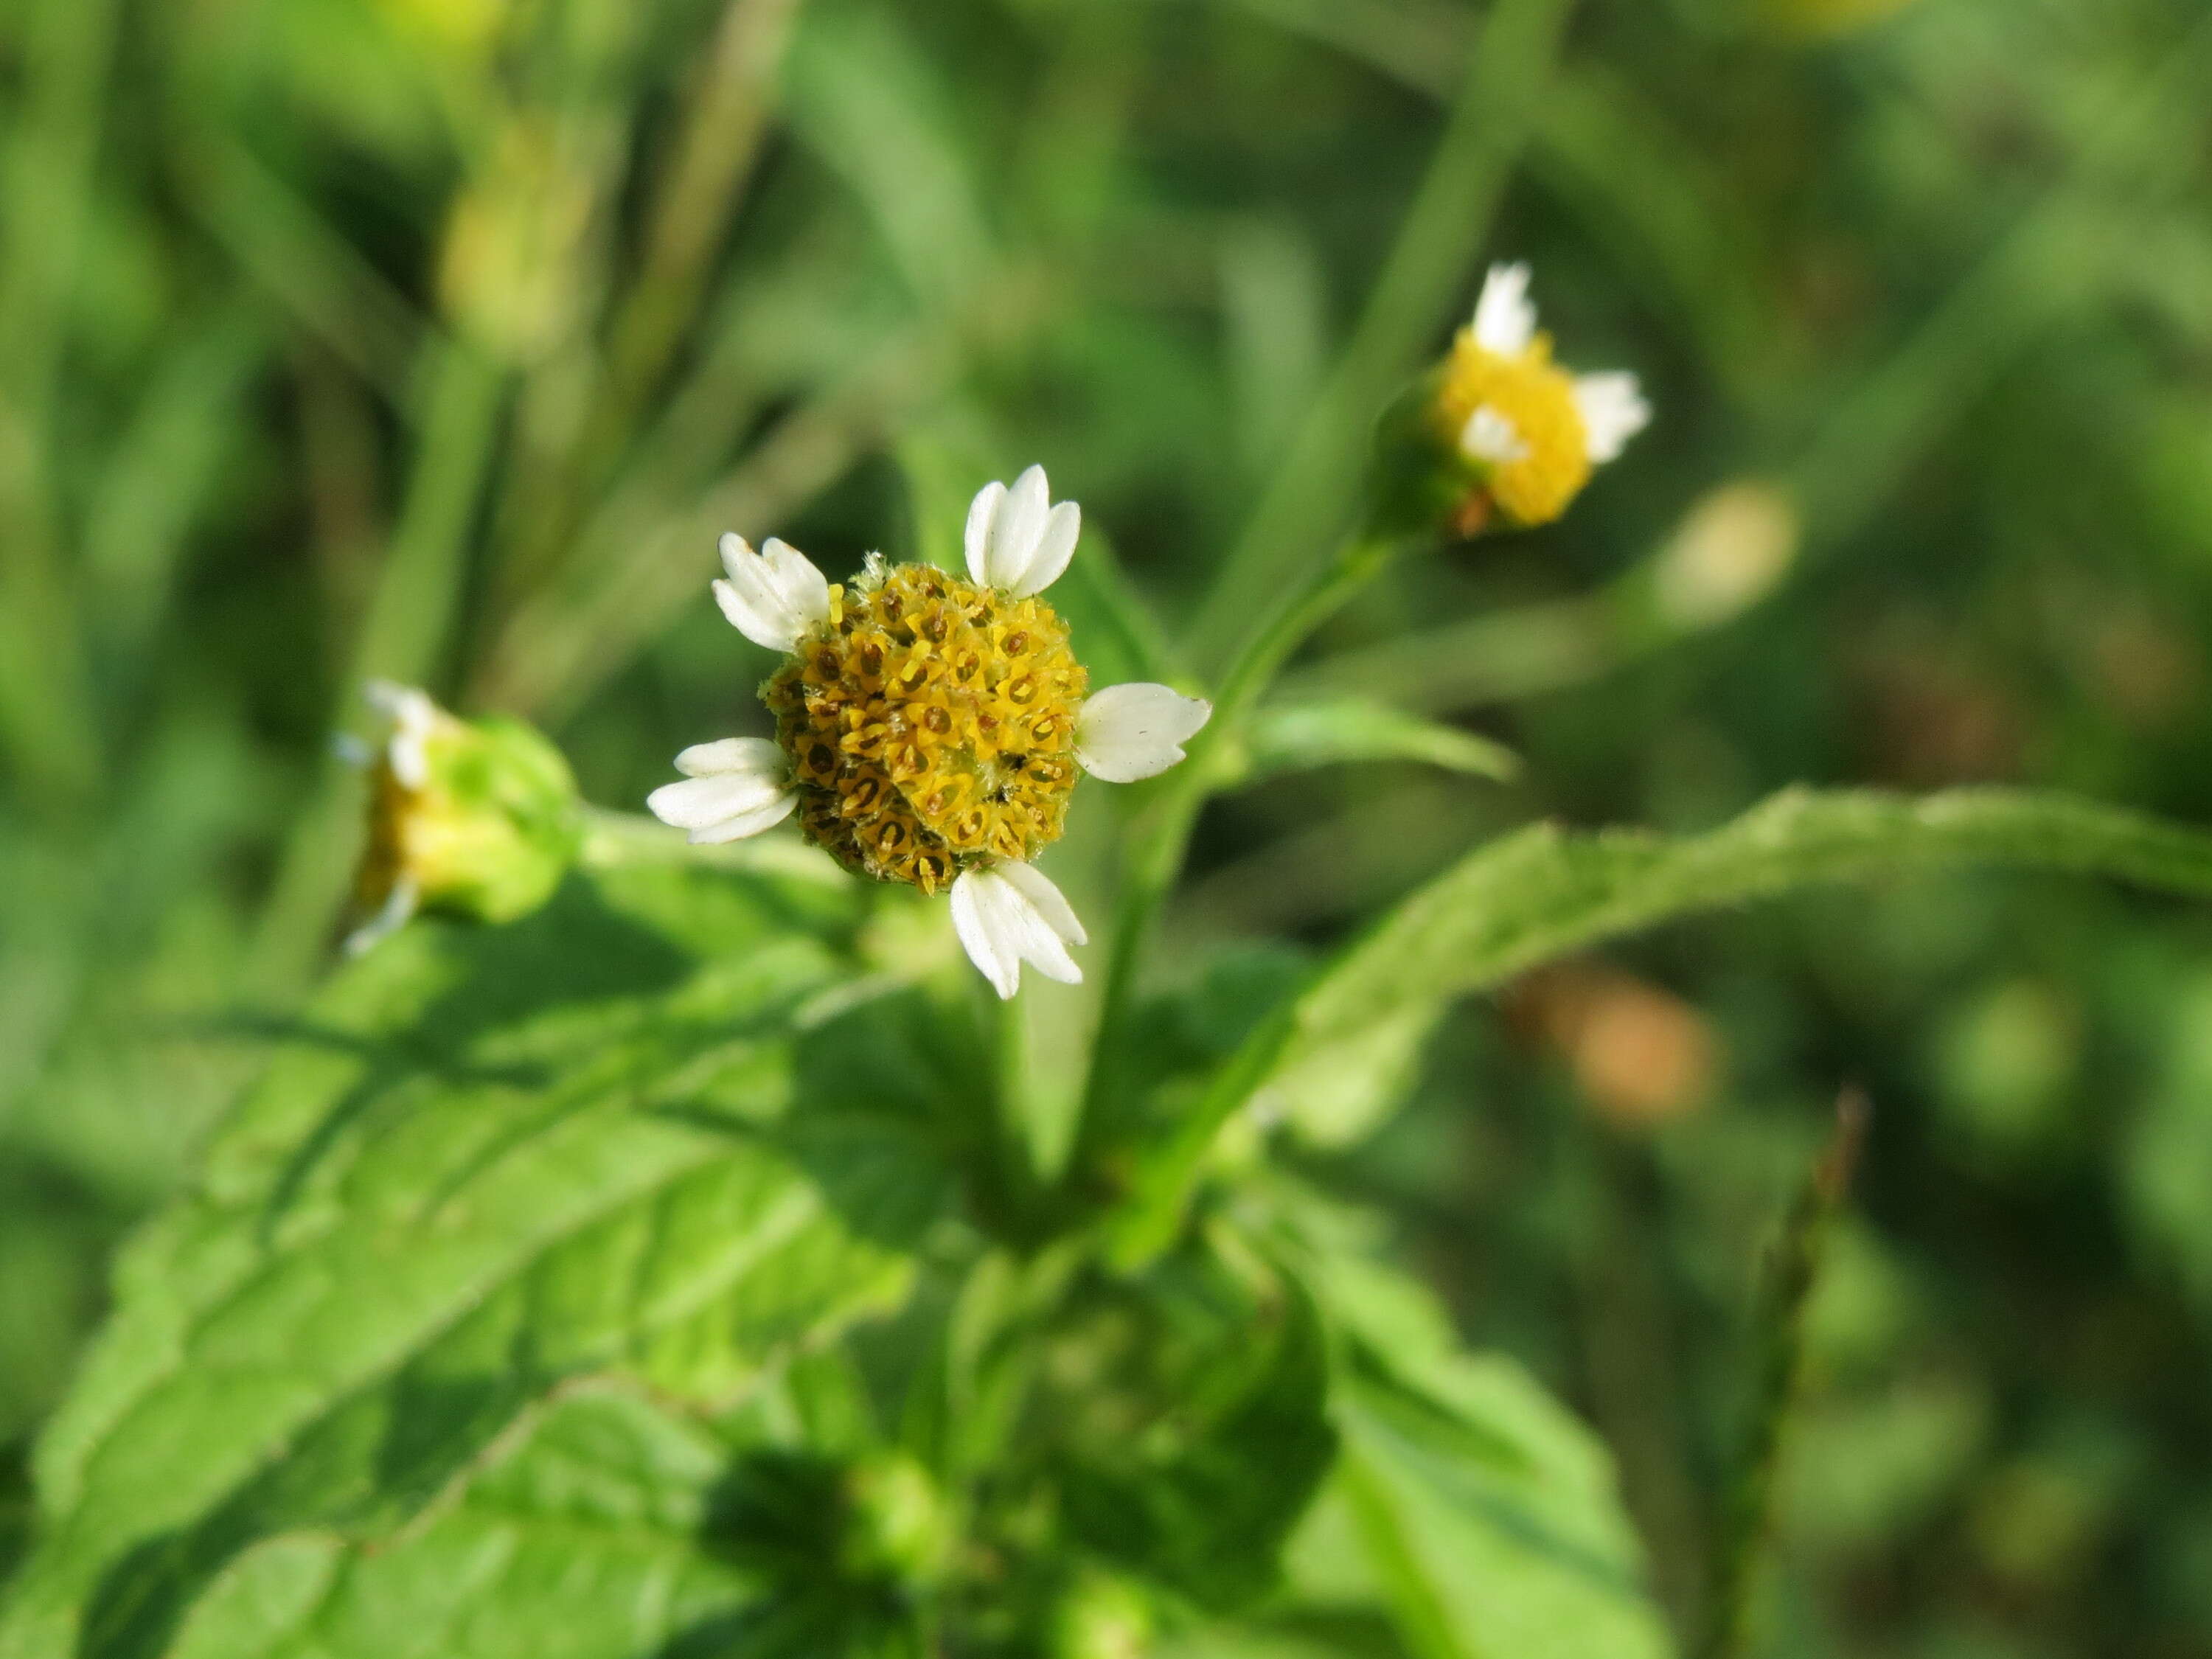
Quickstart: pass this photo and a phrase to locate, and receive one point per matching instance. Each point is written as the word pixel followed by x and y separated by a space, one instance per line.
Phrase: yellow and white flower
pixel 1530 434
pixel 930 729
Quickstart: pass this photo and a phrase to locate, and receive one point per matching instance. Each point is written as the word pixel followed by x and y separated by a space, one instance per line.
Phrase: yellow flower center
pixel 931 728
pixel 1539 398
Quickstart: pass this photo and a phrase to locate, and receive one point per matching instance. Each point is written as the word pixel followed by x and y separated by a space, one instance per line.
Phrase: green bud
pixel 1102 1617
pixel 1418 483
pixel 476 818
pixel 897 1523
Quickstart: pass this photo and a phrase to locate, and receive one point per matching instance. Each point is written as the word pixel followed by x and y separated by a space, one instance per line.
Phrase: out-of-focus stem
pixel 46 705
pixel 1311 498
pixel 692 201
pixel 1794 1272
pixel 416 600
pixel 311 272
pixel 713 159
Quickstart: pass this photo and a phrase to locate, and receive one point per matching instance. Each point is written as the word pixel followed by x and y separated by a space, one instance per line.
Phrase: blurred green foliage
pixel 433 339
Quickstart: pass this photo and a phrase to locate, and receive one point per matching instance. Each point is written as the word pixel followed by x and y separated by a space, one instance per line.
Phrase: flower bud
pixel 510 274
pixel 1102 1617
pixel 477 818
pixel 896 1522
pixel 1732 550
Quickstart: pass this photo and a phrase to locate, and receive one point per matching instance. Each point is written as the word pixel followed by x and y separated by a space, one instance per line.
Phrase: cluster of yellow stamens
pixel 931 725
pixel 1538 398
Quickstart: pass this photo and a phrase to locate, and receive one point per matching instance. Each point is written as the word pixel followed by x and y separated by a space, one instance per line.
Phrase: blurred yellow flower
pixel 1531 433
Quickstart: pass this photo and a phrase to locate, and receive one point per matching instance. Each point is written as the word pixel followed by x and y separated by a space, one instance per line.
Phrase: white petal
pixel 1063 526
pixel 1049 903
pixel 702 803
pixel 774 600
pixel 1490 437
pixel 1504 317
pixel 1016 528
pixel 982 513
pixel 800 584
pixel 1136 731
pixel 978 922
pixel 352 750
pixel 398 908
pixel 1002 925
pixel 767 626
pixel 729 755
pixel 414 717
pixel 737 827
pixel 1612 411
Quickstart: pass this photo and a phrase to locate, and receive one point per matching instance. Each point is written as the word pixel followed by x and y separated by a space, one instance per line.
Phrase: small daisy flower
pixel 1531 433
pixel 930 729
pixel 478 818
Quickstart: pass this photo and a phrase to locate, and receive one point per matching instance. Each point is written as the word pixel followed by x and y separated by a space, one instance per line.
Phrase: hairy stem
pixel 1794 1272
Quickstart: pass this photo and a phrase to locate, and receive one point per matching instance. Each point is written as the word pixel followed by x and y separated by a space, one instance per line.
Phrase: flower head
pixel 1527 434
pixel 930 728
pixel 478 818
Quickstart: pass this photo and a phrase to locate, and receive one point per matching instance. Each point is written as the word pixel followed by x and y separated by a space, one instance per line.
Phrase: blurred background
pixel 437 339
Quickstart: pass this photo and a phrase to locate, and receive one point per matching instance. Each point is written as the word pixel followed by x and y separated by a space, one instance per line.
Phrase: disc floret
pixel 930 726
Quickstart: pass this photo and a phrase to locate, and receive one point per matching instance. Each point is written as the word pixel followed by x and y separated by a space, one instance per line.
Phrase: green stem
pixel 1794 1272
pixel 48 696
pixel 1156 861
pixel 417 602
pixel 1314 491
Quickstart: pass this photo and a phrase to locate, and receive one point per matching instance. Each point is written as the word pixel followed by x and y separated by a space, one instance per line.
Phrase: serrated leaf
pixel 1299 737
pixel 1521 901
pixel 1488 1515
pixel 594 1541
pixel 1201 1430
pixel 486 1163
pixel 1490 1518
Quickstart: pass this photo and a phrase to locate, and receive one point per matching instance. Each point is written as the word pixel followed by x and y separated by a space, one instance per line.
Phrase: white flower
pixel 1505 316
pixel 1017 540
pixel 1136 731
pixel 1010 913
pixel 731 789
pixel 1491 436
pixel 775 597
pixel 1613 410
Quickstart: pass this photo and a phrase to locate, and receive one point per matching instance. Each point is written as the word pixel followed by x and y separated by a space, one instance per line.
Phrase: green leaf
pixel 1488 1515
pixel 1526 899
pixel 1490 1518
pixel 1521 901
pixel 485 1164
pixel 1191 1412
pixel 592 1542
pixel 1300 736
